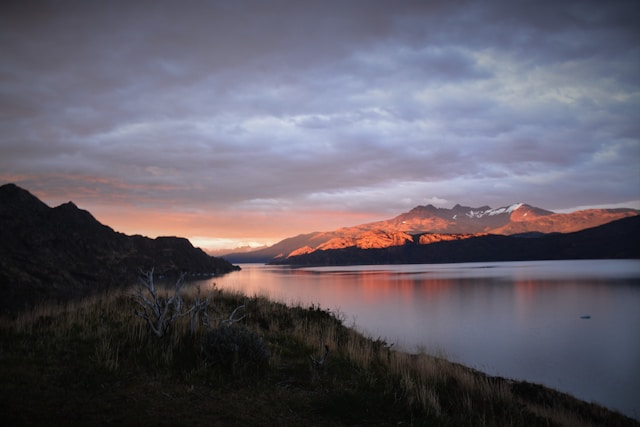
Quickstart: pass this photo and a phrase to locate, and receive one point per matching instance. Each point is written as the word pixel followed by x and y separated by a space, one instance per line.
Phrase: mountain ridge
pixel 63 252
pixel 440 223
pixel 615 240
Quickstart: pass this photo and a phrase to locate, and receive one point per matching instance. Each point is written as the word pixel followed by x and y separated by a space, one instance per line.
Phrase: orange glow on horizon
pixel 209 228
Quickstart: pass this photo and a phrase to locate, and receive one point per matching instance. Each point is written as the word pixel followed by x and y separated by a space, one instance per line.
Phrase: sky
pixel 238 123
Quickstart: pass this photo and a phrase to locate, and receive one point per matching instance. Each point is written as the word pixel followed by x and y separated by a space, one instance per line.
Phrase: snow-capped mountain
pixel 461 219
pixel 491 212
pixel 429 224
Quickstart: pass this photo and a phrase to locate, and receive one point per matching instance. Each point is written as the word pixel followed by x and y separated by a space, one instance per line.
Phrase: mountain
pixel 239 249
pixel 63 252
pixel 437 224
pixel 617 239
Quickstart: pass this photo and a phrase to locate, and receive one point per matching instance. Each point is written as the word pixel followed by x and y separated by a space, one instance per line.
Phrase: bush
pixel 235 349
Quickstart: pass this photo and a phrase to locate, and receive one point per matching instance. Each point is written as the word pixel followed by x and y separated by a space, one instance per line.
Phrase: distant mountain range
pixel 64 252
pixel 617 239
pixel 425 225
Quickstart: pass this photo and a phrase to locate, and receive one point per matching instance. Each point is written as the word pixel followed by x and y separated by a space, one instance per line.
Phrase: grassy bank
pixel 93 362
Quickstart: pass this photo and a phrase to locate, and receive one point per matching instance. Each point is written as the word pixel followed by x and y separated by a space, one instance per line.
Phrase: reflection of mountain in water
pixel 513 319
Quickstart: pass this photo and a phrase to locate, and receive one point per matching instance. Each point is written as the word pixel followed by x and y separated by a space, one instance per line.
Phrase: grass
pixel 92 362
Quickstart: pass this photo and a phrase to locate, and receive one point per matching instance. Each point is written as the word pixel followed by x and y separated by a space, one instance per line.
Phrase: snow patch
pixel 475 214
pixel 514 207
pixel 492 212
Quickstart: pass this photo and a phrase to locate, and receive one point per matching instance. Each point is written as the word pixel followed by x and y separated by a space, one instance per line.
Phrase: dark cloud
pixel 356 106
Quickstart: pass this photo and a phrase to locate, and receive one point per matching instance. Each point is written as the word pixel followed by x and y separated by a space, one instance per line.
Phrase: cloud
pixel 363 108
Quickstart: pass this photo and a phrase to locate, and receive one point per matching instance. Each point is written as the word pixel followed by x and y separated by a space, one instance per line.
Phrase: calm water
pixel 520 320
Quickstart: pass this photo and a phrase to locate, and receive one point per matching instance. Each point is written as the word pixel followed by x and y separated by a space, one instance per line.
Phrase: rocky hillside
pixel 434 224
pixel 64 252
pixel 618 239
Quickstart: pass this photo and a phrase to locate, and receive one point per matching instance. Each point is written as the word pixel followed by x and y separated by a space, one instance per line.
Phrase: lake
pixel 571 325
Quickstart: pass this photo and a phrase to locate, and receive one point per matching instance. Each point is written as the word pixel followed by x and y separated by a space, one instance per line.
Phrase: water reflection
pixel 519 320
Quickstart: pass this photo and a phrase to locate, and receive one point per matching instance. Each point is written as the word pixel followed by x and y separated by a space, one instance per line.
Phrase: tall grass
pixel 105 343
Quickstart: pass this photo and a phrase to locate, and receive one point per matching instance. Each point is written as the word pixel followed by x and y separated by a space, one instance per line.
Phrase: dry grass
pixel 97 347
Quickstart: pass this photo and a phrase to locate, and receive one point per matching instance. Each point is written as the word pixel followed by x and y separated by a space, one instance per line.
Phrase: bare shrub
pixel 161 311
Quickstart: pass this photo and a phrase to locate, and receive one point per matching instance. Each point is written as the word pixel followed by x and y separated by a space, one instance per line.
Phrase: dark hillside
pixel 64 252
pixel 94 363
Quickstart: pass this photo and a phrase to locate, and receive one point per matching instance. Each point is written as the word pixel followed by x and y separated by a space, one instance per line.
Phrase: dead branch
pixel 159 312
pixel 200 306
pixel 231 320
